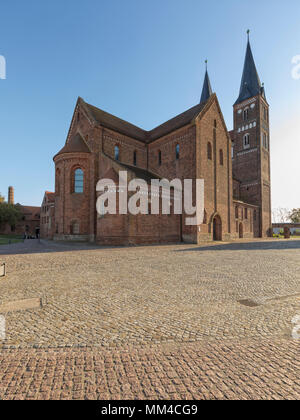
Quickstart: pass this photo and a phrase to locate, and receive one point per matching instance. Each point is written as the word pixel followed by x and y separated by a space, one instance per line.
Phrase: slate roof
pixel 123 127
pixel 75 145
pixel 250 84
pixel 207 90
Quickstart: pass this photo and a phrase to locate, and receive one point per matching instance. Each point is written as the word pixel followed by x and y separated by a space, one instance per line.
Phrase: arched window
pixel 117 153
pixel 159 158
pixel 134 158
pixel 221 157
pixel 78 181
pixel 209 151
pixel 177 152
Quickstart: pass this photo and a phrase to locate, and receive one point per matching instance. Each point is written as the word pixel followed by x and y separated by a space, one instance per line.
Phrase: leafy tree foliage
pixel 9 214
pixel 294 216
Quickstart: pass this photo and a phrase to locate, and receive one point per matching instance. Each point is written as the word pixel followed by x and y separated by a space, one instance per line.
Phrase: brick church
pixel 194 145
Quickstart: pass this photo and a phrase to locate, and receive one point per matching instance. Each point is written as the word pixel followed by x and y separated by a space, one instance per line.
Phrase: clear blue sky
pixel 144 62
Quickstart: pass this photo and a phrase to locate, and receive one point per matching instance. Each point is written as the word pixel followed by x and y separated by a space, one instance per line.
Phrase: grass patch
pixel 13 239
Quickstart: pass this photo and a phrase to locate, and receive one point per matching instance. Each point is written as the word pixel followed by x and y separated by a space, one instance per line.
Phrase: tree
pixel 280 215
pixel 1 198
pixel 9 214
pixel 294 216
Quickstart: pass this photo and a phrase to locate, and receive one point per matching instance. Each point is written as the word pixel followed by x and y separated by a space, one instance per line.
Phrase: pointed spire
pixel 207 90
pixel 250 85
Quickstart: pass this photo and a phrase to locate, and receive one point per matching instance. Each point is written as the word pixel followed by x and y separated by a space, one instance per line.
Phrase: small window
pixel 246 213
pixel 159 158
pixel 117 153
pixel 177 152
pixel 246 141
pixel 246 114
pixel 221 157
pixel 134 158
pixel 265 114
pixel 265 140
pixel 78 181
pixel 209 151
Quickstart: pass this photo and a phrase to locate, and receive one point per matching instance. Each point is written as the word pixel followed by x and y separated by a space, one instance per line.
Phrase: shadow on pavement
pixel 248 246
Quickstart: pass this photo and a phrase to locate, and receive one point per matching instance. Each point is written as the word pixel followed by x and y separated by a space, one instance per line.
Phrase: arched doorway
pixel 217 228
pixel 241 231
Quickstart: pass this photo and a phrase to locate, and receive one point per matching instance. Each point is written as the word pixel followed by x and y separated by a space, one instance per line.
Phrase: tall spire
pixel 207 90
pixel 250 85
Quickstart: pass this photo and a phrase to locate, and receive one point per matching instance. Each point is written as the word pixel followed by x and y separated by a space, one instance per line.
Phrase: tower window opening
pixel 246 141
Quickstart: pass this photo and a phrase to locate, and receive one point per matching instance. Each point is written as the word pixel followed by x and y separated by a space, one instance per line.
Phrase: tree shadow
pixel 248 246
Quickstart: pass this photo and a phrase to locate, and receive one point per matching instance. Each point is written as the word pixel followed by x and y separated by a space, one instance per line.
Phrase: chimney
pixel 11 198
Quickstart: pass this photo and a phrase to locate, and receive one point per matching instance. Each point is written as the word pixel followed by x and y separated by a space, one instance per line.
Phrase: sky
pixel 144 62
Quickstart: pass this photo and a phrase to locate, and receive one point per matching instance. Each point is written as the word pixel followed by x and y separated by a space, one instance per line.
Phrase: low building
pixel 28 225
pixel 279 228
pixel 47 215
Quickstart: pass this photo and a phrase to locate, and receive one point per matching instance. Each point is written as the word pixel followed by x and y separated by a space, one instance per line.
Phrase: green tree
pixel 9 214
pixel 294 216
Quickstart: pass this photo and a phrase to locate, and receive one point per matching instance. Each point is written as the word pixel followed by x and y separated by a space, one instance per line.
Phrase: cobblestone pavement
pixel 159 322
pixel 265 369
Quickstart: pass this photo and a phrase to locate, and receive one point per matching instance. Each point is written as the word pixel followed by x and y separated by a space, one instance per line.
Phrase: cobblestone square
pixel 151 322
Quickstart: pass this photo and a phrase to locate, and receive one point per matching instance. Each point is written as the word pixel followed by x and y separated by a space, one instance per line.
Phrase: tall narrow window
pixel 177 152
pixel 246 141
pixel 78 181
pixel 254 215
pixel 209 151
pixel 221 157
pixel 159 158
pixel 246 213
pixel 117 153
pixel 134 159
pixel 57 188
pixel 236 212
pixel 246 114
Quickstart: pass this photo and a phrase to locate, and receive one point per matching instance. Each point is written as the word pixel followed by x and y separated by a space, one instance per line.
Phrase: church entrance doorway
pixel 217 228
pixel 241 231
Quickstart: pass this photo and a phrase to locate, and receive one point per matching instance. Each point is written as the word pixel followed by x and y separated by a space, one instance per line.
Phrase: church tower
pixel 251 147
